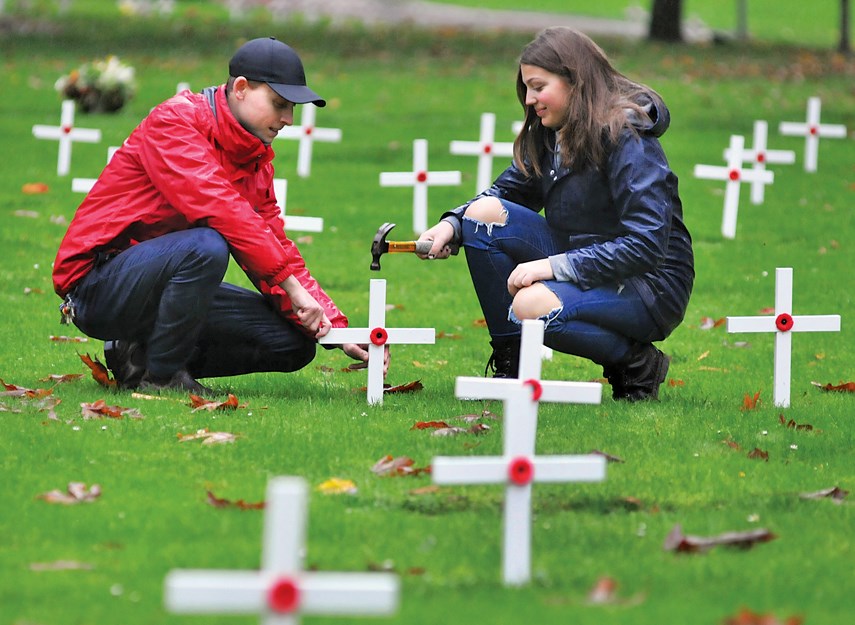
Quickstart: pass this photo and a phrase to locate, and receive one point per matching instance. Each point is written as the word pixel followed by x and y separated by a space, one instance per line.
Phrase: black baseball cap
pixel 271 61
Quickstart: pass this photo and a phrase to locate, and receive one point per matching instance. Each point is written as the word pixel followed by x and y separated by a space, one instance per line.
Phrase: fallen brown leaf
pixel 207 437
pixel 240 504
pixel 835 493
pixel 845 387
pixel 76 492
pixel 99 372
pixel 793 425
pixel 749 402
pixel 758 454
pixel 426 425
pixel 200 403
pixel 100 408
pixel 402 465
pixel 747 617
pixel 34 188
pixel 681 543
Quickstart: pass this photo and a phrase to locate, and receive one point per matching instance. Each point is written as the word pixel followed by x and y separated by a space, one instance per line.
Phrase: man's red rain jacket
pixel 184 167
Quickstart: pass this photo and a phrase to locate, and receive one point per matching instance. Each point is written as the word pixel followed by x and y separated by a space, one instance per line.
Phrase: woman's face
pixel 547 93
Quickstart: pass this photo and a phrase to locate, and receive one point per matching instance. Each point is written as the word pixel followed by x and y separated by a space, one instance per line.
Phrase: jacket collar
pixel 243 147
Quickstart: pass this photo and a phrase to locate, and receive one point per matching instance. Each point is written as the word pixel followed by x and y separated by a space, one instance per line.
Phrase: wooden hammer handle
pixel 419 247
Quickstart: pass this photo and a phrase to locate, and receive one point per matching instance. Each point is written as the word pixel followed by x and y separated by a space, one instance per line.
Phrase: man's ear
pixel 239 87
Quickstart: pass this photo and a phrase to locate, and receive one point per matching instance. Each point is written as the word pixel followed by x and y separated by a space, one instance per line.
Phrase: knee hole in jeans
pixel 487 210
pixel 534 301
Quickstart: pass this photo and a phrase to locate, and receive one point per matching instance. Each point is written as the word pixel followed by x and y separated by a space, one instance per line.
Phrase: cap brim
pixel 298 94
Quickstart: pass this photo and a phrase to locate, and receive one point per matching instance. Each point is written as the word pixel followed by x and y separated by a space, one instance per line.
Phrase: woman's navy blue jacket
pixel 623 223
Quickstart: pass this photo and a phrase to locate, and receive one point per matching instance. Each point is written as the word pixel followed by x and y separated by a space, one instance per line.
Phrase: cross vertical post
pixel 84 185
pixel 783 324
pixel 377 336
pixel 420 179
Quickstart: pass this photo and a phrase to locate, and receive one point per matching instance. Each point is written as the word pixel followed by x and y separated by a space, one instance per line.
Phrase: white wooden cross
pixel 307 133
pixel 281 590
pixel 294 222
pixel 783 324
pixel 734 175
pixel 759 155
pixel 485 149
pixel 84 185
pixel 66 133
pixel 812 130
pixel 420 179
pixel 377 336
pixel 518 467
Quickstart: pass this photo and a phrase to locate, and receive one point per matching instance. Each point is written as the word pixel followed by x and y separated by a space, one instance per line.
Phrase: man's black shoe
pixel 126 360
pixel 181 380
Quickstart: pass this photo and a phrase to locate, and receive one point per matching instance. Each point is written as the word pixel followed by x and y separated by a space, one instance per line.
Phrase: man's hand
pixel 309 312
pixel 440 236
pixel 360 352
pixel 526 274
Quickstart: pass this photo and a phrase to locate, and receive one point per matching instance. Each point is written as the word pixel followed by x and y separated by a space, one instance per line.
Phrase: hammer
pixel 380 246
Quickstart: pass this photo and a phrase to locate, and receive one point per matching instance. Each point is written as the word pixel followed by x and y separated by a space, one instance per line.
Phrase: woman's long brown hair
pixel 599 98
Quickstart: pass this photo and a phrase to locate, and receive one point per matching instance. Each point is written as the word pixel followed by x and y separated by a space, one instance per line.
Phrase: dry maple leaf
pixel 240 504
pixel 427 425
pixel 76 492
pixel 34 188
pixel 100 408
pixel 402 465
pixel 835 493
pixel 845 387
pixel 68 339
pixel 749 402
pixel 608 457
pixel 99 372
pixel 681 543
pixel 207 437
pixel 758 454
pixel 13 390
pixel 337 486
pixel 747 617
pixel 61 378
pixel 476 428
pixel 200 403
pixel 708 323
pixel 793 425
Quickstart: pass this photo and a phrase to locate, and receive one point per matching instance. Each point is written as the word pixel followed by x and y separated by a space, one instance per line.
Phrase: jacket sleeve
pixel 276 294
pixel 184 168
pixel 642 187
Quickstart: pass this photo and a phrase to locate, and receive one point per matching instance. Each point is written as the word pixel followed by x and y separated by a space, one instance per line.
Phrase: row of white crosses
pixel 282 589
pixel 420 178
pixel 734 174
pixel 783 324
pixel 518 467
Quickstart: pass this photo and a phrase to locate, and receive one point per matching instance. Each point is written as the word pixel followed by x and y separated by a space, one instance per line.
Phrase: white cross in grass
pixel 734 175
pixel 518 467
pixel 377 336
pixel 294 222
pixel 420 179
pixel 783 324
pixel 307 133
pixel 759 155
pixel 485 149
pixel 812 130
pixel 282 590
pixel 66 134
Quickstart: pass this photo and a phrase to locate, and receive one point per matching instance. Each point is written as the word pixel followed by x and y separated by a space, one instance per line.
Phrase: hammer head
pixel 379 246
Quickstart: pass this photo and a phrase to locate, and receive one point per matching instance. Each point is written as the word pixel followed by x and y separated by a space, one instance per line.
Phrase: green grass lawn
pixel 384 90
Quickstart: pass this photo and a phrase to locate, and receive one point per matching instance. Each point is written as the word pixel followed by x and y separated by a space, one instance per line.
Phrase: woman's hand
pixel 440 236
pixel 526 274
pixel 360 352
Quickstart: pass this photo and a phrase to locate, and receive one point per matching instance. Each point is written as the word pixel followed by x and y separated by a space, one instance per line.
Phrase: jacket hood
pixel 658 117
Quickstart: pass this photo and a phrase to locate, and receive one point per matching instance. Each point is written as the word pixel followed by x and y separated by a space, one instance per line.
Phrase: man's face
pixel 260 110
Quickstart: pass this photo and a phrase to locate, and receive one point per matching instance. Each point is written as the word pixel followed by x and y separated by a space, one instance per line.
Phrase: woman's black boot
pixel 505 359
pixel 640 374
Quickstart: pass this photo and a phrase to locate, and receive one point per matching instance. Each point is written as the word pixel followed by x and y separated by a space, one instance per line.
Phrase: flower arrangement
pixel 103 85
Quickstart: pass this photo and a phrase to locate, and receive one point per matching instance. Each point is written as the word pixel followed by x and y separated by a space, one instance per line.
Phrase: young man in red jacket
pixel 142 263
